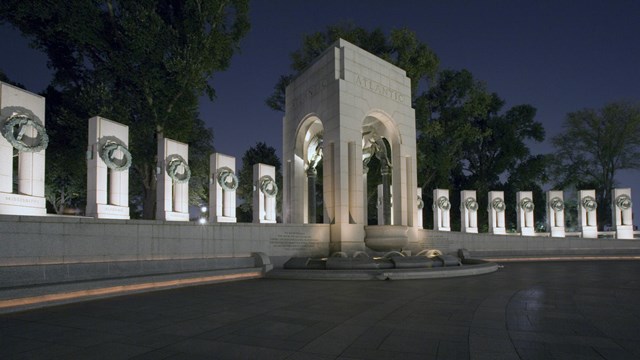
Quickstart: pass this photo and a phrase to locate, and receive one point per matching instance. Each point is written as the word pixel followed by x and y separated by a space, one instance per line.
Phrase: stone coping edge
pixel 481 267
pixel 25 298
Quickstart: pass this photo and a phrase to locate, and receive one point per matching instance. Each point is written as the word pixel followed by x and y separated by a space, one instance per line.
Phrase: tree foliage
pixel 594 146
pixel 142 63
pixel 467 141
pixel 260 153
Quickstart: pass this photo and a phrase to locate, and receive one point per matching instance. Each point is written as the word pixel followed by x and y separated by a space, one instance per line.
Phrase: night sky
pixel 558 56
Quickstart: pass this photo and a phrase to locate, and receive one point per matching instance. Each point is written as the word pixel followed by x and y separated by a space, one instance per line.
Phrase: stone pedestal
pixel 420 207
pixel 173 180
pixel 264 193
pixel 496 208
pixel 468 211
pixel 29 198
pixel 525 207
pixel 555 213
pixel 108 169
pixel 622 209
pixel 441 207
pixel 222 188
pixel 587 213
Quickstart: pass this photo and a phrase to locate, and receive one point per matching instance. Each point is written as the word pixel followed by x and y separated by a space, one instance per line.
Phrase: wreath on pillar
pixel 107 155
pixel 556 204
pixel 498 205
pixel 527 205
pixel 15 138
pixel 172 170
pixel 268 186
pixel 589 203
pixel 227 179
pixel 443 203
pixel 420 203
pixel 471 204
pixel 623 202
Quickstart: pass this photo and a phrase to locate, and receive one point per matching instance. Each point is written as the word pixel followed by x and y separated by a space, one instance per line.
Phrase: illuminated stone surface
pixel 28 199
pixel 172 197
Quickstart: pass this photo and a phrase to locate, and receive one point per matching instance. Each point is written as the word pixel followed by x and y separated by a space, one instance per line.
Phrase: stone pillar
pixel 264 193
pixel 29 137
pixel 555 213
pixel 108 169
pixel 172 188
pixel 525 206
pixel 386 195
pixel 222 188
pixel 441 207
pixel 468 211
pixel 312 175
pixel 496 208
pixel 587 213
pixel 622 209
pixel 380 206
pixel 420 207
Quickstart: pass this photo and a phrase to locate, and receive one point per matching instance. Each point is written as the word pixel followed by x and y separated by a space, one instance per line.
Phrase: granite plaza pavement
pixel 534 310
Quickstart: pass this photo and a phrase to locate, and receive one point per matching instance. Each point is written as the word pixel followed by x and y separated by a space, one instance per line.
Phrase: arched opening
pixel 380 155
pixel 309 158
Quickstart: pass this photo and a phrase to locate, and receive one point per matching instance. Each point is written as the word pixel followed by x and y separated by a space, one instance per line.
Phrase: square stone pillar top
pixel 168 147
pixel 16 100
pixel 218 160
pixel 102 130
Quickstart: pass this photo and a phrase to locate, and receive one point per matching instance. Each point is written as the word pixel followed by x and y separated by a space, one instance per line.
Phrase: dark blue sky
pixel 559 56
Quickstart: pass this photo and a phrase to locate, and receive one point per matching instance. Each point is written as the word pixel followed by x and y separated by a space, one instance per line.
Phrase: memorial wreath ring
pixel 227 179
pixel 420 203
pixel 107 155
pixel 557 204
pixel 527 205
pixel 22 121
pixel 172 170
pixel 443 203
pixel 623 202
pixel 268 186
pixel 589 203
pixel 471 204
pixel 498 205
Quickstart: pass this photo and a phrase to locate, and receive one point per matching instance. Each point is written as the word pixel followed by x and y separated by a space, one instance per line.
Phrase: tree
pixel 260 153
pixel 143 63
pixel 401 48
pixel 594 146
pixel 465 141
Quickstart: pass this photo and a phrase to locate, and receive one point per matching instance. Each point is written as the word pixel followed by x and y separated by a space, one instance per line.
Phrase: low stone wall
pixel 57 249
pixel 29 240
pixel 516 245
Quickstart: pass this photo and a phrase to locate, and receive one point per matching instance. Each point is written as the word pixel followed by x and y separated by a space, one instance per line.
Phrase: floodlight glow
pixel 202 221
pixel 203 209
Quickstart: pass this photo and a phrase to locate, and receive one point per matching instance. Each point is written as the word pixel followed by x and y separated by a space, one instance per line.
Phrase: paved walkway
pixel 562 310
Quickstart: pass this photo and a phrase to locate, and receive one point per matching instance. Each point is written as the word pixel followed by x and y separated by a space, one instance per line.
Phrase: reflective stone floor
pixel 553 310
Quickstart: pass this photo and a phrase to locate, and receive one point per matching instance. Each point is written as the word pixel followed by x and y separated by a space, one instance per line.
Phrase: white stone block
pixel 441 209
pixel 265 191
pixel 17 104
pixel 222 188
pixel 525 206
pixel 172 195
pixel 496 208
pixel 469 211
pixel 588 213
pixel 107 185
pixel 622 211
pixel 555 213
